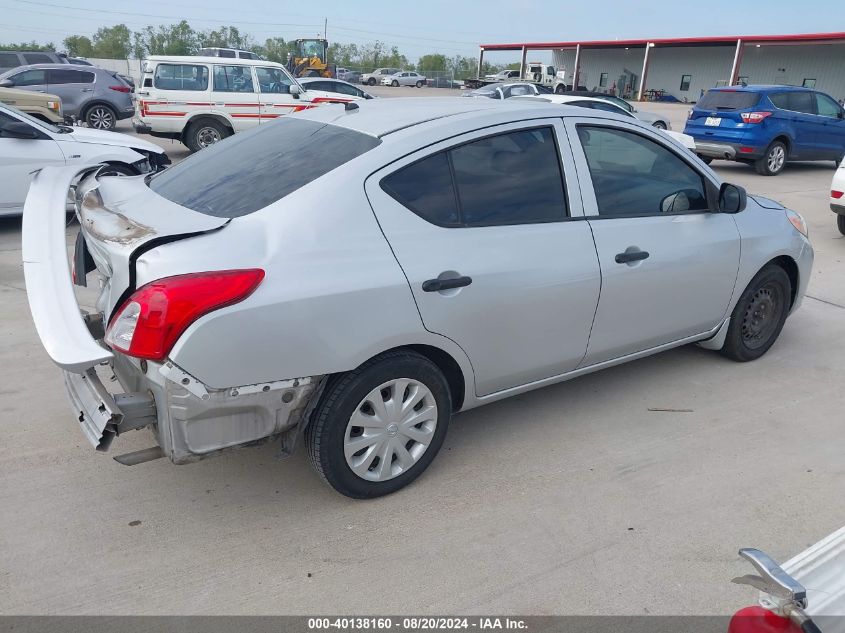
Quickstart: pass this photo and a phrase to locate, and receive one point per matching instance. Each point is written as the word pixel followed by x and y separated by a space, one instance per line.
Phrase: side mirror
pixel 295 91
pixel 732 198
pixel 6 83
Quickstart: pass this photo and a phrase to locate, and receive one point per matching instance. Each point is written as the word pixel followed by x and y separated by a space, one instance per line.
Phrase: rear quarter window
pixel 254 169
pixel 728 100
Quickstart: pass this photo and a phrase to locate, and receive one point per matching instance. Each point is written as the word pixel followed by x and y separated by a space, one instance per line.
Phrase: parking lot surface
pixel 575 499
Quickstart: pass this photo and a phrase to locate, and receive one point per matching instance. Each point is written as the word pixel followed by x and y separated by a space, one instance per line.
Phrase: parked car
pixel 656 120
pixel 375 77
pixel 837 196
pixel 767 126
pixel 42 106
pixel 506 91
pixel 404 78
pixel 13 59
pixel 202 100
pixel 333 86
pixel 594 103
pixel 351 76
pixel 93 95
pixel 405 203
pixel 805 594
pixel 443 82
pixel 214 51
pixel 28 144
pixel 503 75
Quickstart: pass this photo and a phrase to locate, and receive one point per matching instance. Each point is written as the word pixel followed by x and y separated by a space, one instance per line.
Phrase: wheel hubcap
pixel 390 429
pixel 762 315
pixel 100 118
pixel 207 136
pixel 776 158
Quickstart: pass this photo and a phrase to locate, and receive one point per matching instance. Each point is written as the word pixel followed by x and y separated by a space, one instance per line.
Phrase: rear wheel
pixel 100 117
pixel 371 81
pixel 759 315
pixel 202 134
pixel 773 160
pixel 395 84
pixel 378 427
pixel 840 223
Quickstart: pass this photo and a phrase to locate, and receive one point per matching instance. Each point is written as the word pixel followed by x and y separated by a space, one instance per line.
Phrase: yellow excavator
pixel 310 58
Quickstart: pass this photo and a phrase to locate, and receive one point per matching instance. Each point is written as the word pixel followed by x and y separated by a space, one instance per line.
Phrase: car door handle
pixel 630 256
pixel 436 285
pixel 87 90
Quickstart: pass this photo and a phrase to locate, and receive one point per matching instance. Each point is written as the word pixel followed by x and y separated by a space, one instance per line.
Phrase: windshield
pixel 254 169
pixel 728 100
pixel 31 119
pixel 312 48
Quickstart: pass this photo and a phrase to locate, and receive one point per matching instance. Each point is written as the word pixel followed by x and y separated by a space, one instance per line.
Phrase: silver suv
pixel 94 95
pixel 13 59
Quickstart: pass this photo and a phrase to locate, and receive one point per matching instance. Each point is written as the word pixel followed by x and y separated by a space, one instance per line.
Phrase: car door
pixel 798 110
pixel 74 87
pixel 19 159
pixel 834 125
pixel 274 93
pixel 34 79
pixel 234 88
pixel 486 232
pixel 668 263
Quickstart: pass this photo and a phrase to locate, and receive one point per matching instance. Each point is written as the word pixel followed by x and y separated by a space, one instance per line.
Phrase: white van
pixel 202 100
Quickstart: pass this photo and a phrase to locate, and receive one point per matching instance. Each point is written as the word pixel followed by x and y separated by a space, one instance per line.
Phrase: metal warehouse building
pixel 685 67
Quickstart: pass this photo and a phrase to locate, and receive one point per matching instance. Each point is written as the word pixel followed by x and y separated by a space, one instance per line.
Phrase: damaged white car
pixel 353 275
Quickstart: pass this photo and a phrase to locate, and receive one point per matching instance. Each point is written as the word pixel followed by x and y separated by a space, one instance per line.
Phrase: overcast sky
pixel 447 26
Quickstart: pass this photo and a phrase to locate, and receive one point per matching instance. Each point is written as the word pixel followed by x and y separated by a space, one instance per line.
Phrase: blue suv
pixel 767 125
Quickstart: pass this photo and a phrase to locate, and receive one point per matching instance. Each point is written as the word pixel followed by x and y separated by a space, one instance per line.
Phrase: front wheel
pixel 101 117
pixel 773 160
pixel 371 82
pixel 378 427
pixel 395 84
pixel 660 125
pixel 560 89
pixel 419 84
pixel 840 223
pixel 759 315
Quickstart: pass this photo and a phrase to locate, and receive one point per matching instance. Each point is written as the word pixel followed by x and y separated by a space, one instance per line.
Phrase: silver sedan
pixel 349 278
pixel 404 78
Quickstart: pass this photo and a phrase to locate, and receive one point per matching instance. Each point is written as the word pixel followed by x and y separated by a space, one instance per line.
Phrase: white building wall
pixel 707 65
pixel 594 62
pixel 791 65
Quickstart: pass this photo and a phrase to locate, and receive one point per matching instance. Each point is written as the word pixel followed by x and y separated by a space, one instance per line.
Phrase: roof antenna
pixel 350 106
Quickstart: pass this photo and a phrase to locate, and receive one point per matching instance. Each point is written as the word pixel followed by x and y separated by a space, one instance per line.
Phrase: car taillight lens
pixel 835 194
pixel 121 88
pixel 754 117
pixel 150 322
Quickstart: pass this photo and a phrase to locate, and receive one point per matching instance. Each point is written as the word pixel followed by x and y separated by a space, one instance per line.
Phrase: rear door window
pixel 510 178
pixel 728 100
pixel 803 102
pixel 256 168
pixel 37 58
pixel 181 77
pixel 63 76
pixel 233 79
pixel 9 60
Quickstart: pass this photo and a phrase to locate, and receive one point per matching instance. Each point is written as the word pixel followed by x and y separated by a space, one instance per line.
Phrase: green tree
pixel 171 39
pixel 78 46
pixel 112 42
pixel 433 62
pixel 28 46
pixel 274 49
pixel 226 37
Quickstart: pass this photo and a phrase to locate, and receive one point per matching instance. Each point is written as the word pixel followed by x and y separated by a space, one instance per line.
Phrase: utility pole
pixel 325 28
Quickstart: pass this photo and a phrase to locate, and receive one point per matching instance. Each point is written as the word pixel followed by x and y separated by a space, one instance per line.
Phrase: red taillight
pixel 760 620
pixel 121 88
pixel 835 194
pixel 754 117
pixel 150 322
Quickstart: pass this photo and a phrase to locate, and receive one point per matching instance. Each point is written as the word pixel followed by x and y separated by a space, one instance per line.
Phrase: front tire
pixel 378 427
pixel 660 125
pixel 759 315
pixel 840 223
pixel 371 82
pixel 204 133
pixel 773 160
pixel 395 84
pixel 560 89
pixel 117 169
pixel 419 84
pixel 100 117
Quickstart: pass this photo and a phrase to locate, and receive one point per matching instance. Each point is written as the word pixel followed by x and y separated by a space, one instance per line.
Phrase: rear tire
pixel 204 133
pixel 100 117
pixel 840 223
pixel 773 160
pixel 367 395
pixel 759 315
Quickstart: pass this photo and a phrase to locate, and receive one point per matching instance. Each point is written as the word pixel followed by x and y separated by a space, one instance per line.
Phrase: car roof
pixel 194 59
pixel 762 88
pixel 380 117
pixel 54 66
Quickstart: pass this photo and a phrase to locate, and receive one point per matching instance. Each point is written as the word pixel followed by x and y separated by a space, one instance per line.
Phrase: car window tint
pixel 633 175
pixel 181 77
pixel 780 100
pixel 511 178
pixel 9 60
pixel 728 100
pixel 272 80
pixel 827 106
pixel 425 187
pixel 256 168
pixel 345 89
pixel 224 53
pixel 37 58
pixel 233 79
pixel 30 78
pixel 802 102
pixel 63 76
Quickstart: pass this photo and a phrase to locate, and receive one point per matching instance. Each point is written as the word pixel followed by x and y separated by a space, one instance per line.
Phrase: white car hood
pixel 102 137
